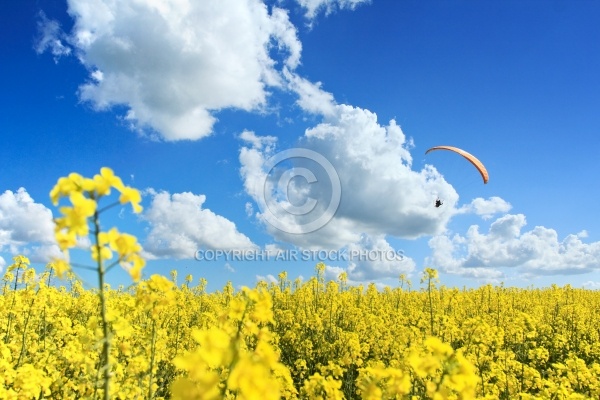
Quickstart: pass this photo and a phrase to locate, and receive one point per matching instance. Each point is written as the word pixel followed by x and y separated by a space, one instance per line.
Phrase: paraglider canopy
pixel 472 159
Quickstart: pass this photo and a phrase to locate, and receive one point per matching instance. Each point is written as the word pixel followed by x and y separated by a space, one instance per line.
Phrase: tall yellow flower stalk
pixel 84 194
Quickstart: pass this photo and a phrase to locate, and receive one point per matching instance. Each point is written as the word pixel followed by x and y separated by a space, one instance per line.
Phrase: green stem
pixel 105 361
pixel 177 333
pixel 152 353
pixel 24 336
pixel 11 310
pixel 430 305
pixel 116 203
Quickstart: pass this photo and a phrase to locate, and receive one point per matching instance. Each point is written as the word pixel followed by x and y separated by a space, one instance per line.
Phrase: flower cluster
pixel 74 224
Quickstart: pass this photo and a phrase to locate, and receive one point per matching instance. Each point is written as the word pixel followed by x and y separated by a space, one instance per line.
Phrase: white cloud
pixel 374 258
pixel 180 227
pixel 370 260
pixel 22 220
pixel 26 227
pixel 535 252
pixel 258 142
pixel 313 7
pixel 174 63
pixel 486 208
pixel 249 209
pixel 312 98
pixel 380 193
pixel 591 285
pixel 229 268
pixel 253 159
pixel 332 273
pixel 45 253
pixel 50 37
pixel 273 250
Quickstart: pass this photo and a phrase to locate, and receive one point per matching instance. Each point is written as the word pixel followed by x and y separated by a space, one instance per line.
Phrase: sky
pixel 268 136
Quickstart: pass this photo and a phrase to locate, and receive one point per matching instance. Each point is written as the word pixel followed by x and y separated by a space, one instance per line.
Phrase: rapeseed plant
pixel 84 195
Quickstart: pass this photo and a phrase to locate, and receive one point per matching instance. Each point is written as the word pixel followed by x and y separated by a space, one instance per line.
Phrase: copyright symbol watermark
pixel 300 198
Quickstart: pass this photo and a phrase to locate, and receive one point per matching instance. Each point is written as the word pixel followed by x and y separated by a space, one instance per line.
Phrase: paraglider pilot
pixel 438 203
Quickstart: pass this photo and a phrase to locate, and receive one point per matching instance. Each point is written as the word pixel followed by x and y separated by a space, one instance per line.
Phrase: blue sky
pixel 188 101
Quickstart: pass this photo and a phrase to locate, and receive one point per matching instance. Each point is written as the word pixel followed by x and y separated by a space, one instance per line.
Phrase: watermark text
pixel 237 255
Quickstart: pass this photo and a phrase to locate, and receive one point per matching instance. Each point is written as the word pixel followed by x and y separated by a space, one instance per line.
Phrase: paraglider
pixel 470 157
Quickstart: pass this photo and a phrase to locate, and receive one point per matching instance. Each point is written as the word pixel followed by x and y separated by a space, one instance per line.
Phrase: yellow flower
pixel 206 389
pixel 80 184
pixel 105 253
pixel 252 380
pixel 75 218
pixel 134 264
pixel 124 244
pixel 65 239
pixel 128 250
pixel 131 195
pixel 86 206
pixel 29 276
pixel 108 238
pixel 236 309
pixel 214 346
pixel 438 348
pixel 105 180
pixel 60 267
pixel 62 187
pixel 263 310
pixel 21 259
pixel 429 274
pixel 159 283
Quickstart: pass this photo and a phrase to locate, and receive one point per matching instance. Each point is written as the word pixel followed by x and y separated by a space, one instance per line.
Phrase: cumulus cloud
pixel 26 227
pixel 535 252
pixel 380 192
pixel 45 253
pixel 253 159
pixel 179 227
pixel 486 208
pixel 313 7
pixel 174 63
pixel 374 258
